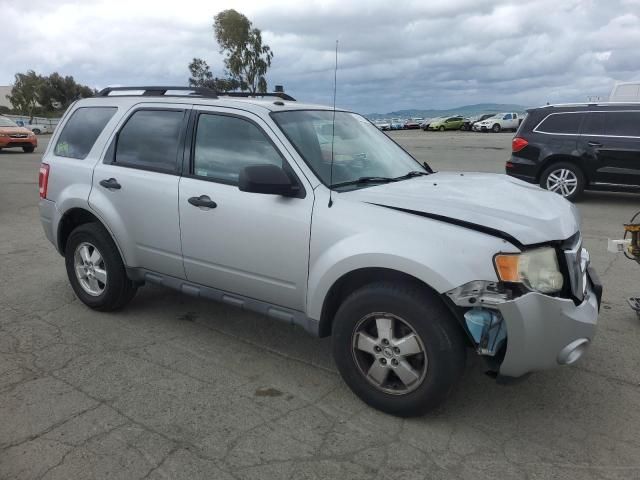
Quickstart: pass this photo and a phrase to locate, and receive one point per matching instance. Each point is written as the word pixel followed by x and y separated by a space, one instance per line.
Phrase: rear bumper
pixel 545 332
pixel 48 218
pixel 522 168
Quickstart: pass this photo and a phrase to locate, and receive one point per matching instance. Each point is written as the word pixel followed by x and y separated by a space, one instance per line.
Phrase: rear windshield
pixel 82 130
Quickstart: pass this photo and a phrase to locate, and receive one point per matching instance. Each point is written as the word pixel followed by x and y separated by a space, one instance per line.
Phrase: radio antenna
pixel 333 127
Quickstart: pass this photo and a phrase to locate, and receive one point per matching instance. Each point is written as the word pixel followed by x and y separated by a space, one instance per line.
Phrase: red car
pixel 13 136
pixel 411 125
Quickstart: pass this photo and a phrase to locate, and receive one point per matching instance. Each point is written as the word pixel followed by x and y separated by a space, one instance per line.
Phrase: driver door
pixel 251 244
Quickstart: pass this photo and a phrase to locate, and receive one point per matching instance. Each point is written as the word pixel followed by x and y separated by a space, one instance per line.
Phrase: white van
pixel 625 92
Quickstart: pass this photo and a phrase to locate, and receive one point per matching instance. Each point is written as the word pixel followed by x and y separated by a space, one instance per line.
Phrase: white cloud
pixel 392 55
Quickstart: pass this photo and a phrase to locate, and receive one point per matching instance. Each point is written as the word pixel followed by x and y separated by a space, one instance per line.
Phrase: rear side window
pixel 150 140
pixel 568 123
pixel 594 123
pixel 225 145
pixel 82 130
pixel 622 124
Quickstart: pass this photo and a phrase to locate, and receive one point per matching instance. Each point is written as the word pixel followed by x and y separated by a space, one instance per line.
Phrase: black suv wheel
pixel 563 178
pixel 398 348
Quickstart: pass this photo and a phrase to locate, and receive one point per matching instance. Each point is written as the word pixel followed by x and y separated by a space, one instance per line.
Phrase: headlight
pixel 536 269
pixel 3 135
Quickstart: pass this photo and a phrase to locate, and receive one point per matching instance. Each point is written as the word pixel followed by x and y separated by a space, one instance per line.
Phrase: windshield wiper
pixel 364 180
pixel 413 173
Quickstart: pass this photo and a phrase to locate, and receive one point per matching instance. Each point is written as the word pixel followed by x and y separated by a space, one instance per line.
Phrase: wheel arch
pixel 559 158
pixel 355 279
pixel 73 218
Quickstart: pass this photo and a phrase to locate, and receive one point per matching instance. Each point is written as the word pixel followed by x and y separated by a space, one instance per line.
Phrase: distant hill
pixel 465 111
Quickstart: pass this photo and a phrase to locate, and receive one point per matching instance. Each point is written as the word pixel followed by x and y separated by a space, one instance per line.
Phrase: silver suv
pixel 317 218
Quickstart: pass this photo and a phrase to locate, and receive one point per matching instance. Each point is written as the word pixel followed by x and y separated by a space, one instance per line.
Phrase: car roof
pixel 576 107
pixel 248 104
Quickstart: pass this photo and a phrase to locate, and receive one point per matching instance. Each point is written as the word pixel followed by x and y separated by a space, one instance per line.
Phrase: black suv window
pixel 561 123
pixel 594 123
pixel 623 124
pixel 225 145
pixel 150 140
pixel 82 130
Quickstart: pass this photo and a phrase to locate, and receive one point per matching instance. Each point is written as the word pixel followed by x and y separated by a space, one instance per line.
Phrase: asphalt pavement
pixel 176 387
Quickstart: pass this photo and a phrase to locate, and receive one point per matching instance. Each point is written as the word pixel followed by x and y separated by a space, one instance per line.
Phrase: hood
pixel 12 130
pixel 482 201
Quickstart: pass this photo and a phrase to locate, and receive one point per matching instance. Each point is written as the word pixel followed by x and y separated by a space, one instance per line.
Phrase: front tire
pixel 28 149
pixel 95 269
pixel 496 128
pixel 565 179
pixel 442 129
pixel 398 348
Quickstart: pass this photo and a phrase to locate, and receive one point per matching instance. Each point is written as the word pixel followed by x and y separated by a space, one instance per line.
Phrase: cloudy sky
pixel 393 54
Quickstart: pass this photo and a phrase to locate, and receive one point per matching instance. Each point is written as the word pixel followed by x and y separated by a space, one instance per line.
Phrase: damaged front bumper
pixel 542 331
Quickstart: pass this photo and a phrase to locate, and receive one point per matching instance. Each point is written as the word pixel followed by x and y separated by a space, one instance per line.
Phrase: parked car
pixel 424 125
pixel 383 124
pixel 470 122
pixel 14 136
pixel 571 148
pixel 397 124
pixel 39 128
pixel 499 122
pixel 412 124
pixel 447 123
pixel 406 269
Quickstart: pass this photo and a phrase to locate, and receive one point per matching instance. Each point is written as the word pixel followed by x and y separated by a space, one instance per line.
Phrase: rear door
pixel 135 187
pixel 611 141
pixel 251 244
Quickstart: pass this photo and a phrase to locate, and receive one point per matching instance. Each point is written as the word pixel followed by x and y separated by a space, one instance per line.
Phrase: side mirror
pixel 267 178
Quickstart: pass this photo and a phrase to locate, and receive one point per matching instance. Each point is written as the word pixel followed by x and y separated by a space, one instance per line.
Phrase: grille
pixel 18 135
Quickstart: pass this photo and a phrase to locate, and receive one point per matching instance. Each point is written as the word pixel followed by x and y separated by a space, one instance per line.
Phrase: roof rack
pixel 160 91
pixel 281 95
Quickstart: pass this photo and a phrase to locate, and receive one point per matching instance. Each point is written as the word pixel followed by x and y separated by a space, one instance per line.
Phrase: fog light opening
pixel 572 352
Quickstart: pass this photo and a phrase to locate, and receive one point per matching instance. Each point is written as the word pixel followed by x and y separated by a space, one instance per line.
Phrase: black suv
pixel 569 148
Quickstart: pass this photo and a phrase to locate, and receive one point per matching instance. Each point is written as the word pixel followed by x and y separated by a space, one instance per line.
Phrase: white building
pixel 4 91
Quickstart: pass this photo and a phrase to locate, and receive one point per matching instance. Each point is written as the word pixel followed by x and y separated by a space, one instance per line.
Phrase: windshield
pixel 360 150
pixel 5 122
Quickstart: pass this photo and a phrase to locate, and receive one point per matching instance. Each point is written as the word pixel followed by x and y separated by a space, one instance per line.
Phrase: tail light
pixel 43 179
pixel 518 144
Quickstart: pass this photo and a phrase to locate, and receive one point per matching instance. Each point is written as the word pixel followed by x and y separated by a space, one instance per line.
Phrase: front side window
pixel 82 130
pixel 622 124
pixel 360 150
pixel 225 145
pixel 150 140
pixel 507 117
pixel 568 123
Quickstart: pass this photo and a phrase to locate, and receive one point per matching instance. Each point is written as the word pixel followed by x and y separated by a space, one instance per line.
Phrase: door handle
pixel 202 201
pixel 594 144
pixel 111 184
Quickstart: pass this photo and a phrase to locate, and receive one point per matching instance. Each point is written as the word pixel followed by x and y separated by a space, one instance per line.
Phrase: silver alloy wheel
pixel 90 269
pixel 562 181
pixel 389 353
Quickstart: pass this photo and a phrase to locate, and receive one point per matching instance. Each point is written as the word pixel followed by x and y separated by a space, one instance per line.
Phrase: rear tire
pixel 412 310
pixel 496 128
pixel 564 178
pixel 117 289
pixel 28 149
